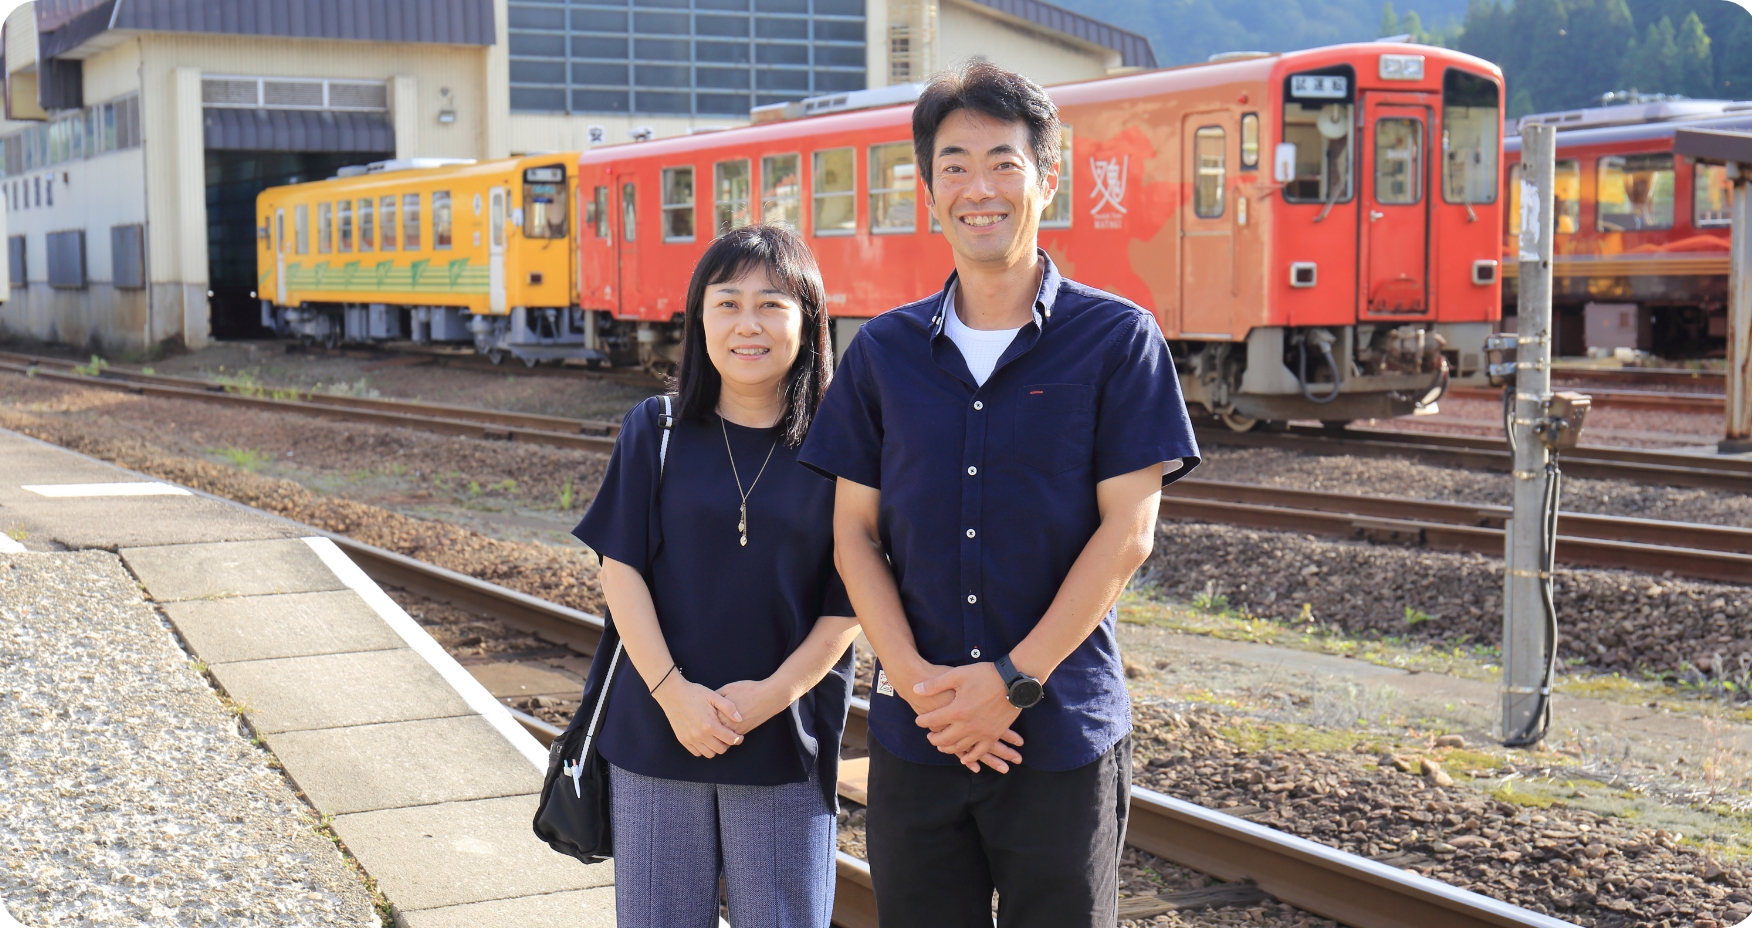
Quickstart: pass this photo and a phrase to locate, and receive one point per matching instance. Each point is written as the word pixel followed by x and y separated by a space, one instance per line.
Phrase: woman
pixel 723 743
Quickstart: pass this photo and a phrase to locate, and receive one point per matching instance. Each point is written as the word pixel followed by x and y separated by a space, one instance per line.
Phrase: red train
pixel 1316 231
pixel 1642 236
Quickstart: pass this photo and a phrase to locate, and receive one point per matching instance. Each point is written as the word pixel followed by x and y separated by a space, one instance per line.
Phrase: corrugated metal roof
pixel 296 130
pixel 1134 50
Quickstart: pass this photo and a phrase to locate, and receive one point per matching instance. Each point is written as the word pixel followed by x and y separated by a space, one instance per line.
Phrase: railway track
pixel 1658 467
pixel 1352 890
pixel 1646 400
pixel 1700 381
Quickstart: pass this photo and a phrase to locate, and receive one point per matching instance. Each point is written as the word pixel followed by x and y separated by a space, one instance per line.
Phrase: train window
pixel 1210 162
pixel 1321 133
pixel 1399 160
pixel 281 230
pixel 892 188
pixel 345 225
pixel 678 204
pixel 323 228
pixel 834 192
pixel 366 214
pixel 388 224
pixel 1057 212
pixel 733 195
pixel 601 228
pixel 1249 141
pixel 301 242
pixel 781 190
pixel 1634 193
pixel 412 222
pixel 546 204
pixel 441 209
pixel 1472 138
pixel 629 212
pixel 1566 187
pixel 1712 194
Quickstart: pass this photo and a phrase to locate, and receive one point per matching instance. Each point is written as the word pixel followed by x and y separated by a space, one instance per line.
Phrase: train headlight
pixel 1402 67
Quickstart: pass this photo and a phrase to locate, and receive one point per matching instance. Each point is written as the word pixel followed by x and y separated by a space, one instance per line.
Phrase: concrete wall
pixel 967 30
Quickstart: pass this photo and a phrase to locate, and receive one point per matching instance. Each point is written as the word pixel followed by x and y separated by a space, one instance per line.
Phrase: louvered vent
pixel 229 92
pixel 293 93
pixel 350 96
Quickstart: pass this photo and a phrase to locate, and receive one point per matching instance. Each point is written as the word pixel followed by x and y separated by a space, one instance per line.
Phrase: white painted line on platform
pixel 6 919
pixel 8 546
pixel 474 694
pixel 80 490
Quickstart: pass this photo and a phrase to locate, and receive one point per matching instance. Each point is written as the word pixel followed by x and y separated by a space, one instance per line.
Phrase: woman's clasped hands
pixel 708 722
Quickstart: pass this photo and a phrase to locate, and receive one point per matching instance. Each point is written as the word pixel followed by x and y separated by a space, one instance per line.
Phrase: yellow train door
pixel 498 250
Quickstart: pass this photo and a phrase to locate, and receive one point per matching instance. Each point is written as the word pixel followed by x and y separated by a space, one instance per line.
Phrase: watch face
pixel 1025 692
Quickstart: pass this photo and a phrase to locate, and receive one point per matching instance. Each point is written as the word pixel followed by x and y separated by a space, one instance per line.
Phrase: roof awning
pixel 1715 145
pixel 296 130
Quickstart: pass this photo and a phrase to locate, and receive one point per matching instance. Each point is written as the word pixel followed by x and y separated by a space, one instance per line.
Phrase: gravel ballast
pixel 128 796
pixel 1609 619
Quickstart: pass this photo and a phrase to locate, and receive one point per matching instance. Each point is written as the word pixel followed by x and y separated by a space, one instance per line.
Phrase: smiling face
pixel 985 189
pixel 752 330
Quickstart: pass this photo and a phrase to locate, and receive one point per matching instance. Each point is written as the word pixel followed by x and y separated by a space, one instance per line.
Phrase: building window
pixel 834 192
pixel 678 213
pixel 892 188
pixel 412 222
pixel 301 244
pixel 388 223
pixel 67 259
pixel 15 266
pixel 128 265
pixel 1057 213
pixel 733 195
pixel 324 228
pixel 1712 195
pixel 345 226
pixel 1634 193
pixel 781 190
pixel 663 58
pixel 442 213
pixel 1210 162
pixel 367 224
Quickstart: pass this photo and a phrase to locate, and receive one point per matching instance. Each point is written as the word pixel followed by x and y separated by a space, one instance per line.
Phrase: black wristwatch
pixel 1024 692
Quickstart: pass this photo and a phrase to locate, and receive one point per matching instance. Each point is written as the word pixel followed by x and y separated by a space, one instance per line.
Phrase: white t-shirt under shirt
pixel 981 348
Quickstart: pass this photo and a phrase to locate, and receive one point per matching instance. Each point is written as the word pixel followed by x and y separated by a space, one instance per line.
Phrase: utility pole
pixel 1529 628
pixel 1737 403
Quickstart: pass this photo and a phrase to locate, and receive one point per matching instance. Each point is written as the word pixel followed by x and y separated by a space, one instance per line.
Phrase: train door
pixel 1395 230
pixel 498 250
pixel 1206 231
pixel 624 241
pixel 280 257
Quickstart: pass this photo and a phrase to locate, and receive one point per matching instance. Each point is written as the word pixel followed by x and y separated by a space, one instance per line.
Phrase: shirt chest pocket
pixel 1054 426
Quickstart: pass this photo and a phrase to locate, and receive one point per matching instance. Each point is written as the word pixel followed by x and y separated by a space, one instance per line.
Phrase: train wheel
pixel 529 362
pixel 496 357
pixel 1237 422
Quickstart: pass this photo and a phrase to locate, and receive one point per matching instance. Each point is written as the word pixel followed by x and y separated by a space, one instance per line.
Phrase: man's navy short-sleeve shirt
pixel 987 494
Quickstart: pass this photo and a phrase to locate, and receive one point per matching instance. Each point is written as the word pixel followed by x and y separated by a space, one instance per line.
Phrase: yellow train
pixel 429 250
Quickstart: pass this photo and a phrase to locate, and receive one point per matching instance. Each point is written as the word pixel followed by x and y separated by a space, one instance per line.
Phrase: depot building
pixel 138 134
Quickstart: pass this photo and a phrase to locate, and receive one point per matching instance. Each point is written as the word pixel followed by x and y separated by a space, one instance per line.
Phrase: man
pixel 999 450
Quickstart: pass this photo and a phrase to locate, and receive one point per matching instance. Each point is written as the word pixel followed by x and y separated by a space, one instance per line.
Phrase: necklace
pixel 744 491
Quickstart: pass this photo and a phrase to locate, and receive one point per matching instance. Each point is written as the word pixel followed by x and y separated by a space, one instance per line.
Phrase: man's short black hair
pixel 983 87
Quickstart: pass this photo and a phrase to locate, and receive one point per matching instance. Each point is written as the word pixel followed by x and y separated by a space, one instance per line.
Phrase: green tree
pixel 1389 20
pixel 1693 51
pixel 1655 62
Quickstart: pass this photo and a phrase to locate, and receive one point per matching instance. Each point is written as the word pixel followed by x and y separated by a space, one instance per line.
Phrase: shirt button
pixel 972 598
pixel 971 472
pixel 971 533
pixel 974 652
pixel 977 404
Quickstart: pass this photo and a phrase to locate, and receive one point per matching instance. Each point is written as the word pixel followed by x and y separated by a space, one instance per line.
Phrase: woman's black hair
pixel 792 269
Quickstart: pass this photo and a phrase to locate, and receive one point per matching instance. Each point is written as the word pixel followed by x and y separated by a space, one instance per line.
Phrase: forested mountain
pixel 1555 54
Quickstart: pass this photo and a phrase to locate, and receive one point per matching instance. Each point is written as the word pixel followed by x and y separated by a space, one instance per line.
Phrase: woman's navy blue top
pixel 728 612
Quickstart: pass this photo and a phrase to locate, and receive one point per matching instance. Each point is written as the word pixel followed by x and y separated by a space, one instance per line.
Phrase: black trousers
pixel 941 838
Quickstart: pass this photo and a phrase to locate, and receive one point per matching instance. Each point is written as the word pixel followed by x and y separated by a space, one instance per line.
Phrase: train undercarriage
pixel 1336 374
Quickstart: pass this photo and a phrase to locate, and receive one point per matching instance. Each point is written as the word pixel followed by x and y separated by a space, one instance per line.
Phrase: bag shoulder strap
pixel 665 430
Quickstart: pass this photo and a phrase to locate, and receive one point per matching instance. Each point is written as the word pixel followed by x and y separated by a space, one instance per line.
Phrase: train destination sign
pixel 1319 86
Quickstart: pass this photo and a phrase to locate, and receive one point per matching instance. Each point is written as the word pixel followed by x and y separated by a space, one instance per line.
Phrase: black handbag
pixel 574 807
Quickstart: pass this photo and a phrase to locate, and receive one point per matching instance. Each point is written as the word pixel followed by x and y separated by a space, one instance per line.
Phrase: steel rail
pixel 1710 382
pixel 1577 455
pixel 1466 451
pixel 1649 400
pixel 1323 880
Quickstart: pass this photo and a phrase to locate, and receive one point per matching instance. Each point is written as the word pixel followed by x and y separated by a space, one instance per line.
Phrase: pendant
pixel 742 540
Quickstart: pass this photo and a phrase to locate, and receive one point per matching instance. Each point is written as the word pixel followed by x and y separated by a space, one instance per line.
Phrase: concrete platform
pixel 431 783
